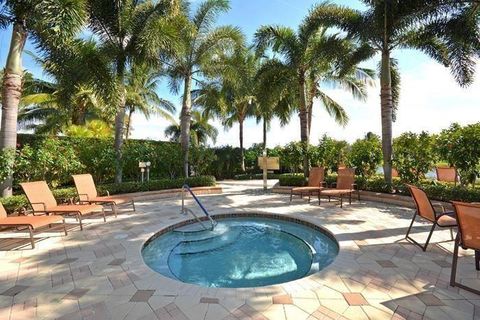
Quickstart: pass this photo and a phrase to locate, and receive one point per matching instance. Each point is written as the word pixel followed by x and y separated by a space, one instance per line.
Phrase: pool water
pixel 241 252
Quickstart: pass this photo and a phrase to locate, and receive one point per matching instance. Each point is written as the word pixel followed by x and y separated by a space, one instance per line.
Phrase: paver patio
pixel 99 273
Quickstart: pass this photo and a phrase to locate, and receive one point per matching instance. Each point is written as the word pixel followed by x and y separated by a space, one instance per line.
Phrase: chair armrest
pixel 354 186
pixel 108 193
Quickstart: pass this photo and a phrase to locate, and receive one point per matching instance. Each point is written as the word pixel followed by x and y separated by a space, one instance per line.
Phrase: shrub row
pixel 18 202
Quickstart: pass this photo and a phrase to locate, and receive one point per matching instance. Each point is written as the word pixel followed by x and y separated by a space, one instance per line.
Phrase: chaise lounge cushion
pixel 447 220
pixel 83 209
pixel 33 221
pixel 336 192
pixel 112 199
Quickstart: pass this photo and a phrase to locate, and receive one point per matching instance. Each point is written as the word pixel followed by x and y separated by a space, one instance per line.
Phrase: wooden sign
pixel 273 163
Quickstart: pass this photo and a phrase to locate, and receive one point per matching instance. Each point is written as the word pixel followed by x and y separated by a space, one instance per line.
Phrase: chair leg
pixel 350 198
pixel 291 196
pixel 341 201
pixel 133 205
pixel 429 236
pixel 104 217
pixel 477 260
pixel 79 219
pixel 319 199
pixel 358 195
pixel 411 225
pixel 114 209
pixel 453 274
pixel 30 231
pixel 64 227
pixel 309 196
pixel 451 234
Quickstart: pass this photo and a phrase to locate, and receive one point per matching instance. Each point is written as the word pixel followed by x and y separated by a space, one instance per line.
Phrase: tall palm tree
pixel 201 130
pixel 132 31
pixel 200 43
pixel 445 30
pixel 47 23
pixel 234 99
pixel 141 87
pixel 308 58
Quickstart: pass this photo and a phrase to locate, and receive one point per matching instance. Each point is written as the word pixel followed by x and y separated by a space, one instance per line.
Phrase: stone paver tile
pixel 307 305
pixel 386 264
pixel 282 299
pixel 14 290
pixel 442 263
pixel 275 312
pixel 209 300
pixel 355 299
pixel 355 312
pixel 116 262
pixel 67 260
pixel 430 300
pixel 142 295
pixel 292 312
pixel 76 294
pixel 215 312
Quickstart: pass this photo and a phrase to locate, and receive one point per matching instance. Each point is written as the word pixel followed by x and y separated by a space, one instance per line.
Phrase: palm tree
pixel 307 59
pixel 79 91
pixel 200 44
pixel 234 99
pixel 48 23
pixel 445 30
pixel 201 130
pixel 141 87
pixel 132 31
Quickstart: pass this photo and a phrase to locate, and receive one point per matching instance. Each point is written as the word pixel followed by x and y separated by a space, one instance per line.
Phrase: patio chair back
pixel 447 174
pixel 345 178
pixel 394 173
pixel 85 186
pixel 468 218
pixel 38 193
pixel 3 212
pixel 316 176
pixel 423 204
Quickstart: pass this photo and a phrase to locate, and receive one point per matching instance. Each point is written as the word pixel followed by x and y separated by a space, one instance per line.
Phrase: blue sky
pixel 430 99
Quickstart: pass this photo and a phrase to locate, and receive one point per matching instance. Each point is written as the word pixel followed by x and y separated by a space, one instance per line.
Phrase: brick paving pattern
pixel 99 273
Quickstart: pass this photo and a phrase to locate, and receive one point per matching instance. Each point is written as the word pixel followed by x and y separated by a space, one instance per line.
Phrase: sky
pixel 430 98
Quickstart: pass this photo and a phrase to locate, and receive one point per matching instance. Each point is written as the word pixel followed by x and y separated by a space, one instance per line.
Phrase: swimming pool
pixel 241 252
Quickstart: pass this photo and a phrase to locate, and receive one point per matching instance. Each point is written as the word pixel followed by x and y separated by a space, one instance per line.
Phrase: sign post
pixel 265 170
pixel 268 163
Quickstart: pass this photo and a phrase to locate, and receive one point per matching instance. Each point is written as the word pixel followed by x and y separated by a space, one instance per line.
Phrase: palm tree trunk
pixel 265 129
pixel 120 122
pixel 242 152
pixel 387 115
pixel 185 122
pixel 11 94
pixel 129 123
pixel 304 135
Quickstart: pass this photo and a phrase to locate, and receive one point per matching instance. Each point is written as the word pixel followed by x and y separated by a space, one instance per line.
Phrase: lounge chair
pixel 29 222
pixel 345 185
pixel 426 211
pixel 447 174
pixel 315 183
pixel 468 237
pixel 87 193
pixel 395 173
pixel 42 201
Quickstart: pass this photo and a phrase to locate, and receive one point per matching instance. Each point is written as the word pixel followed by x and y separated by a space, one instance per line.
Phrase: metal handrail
pixel 185 211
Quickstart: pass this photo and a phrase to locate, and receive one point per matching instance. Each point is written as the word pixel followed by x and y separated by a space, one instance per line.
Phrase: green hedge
pixel 292 180
pixel 18 202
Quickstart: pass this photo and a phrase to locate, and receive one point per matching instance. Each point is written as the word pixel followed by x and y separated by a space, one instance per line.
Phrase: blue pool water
pixel 241 252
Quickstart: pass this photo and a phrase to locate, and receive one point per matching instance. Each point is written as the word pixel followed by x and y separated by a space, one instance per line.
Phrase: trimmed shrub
pixel 330 153
pixel 293 180
pixel 414 155
pixel 460 147
pixel 365 155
